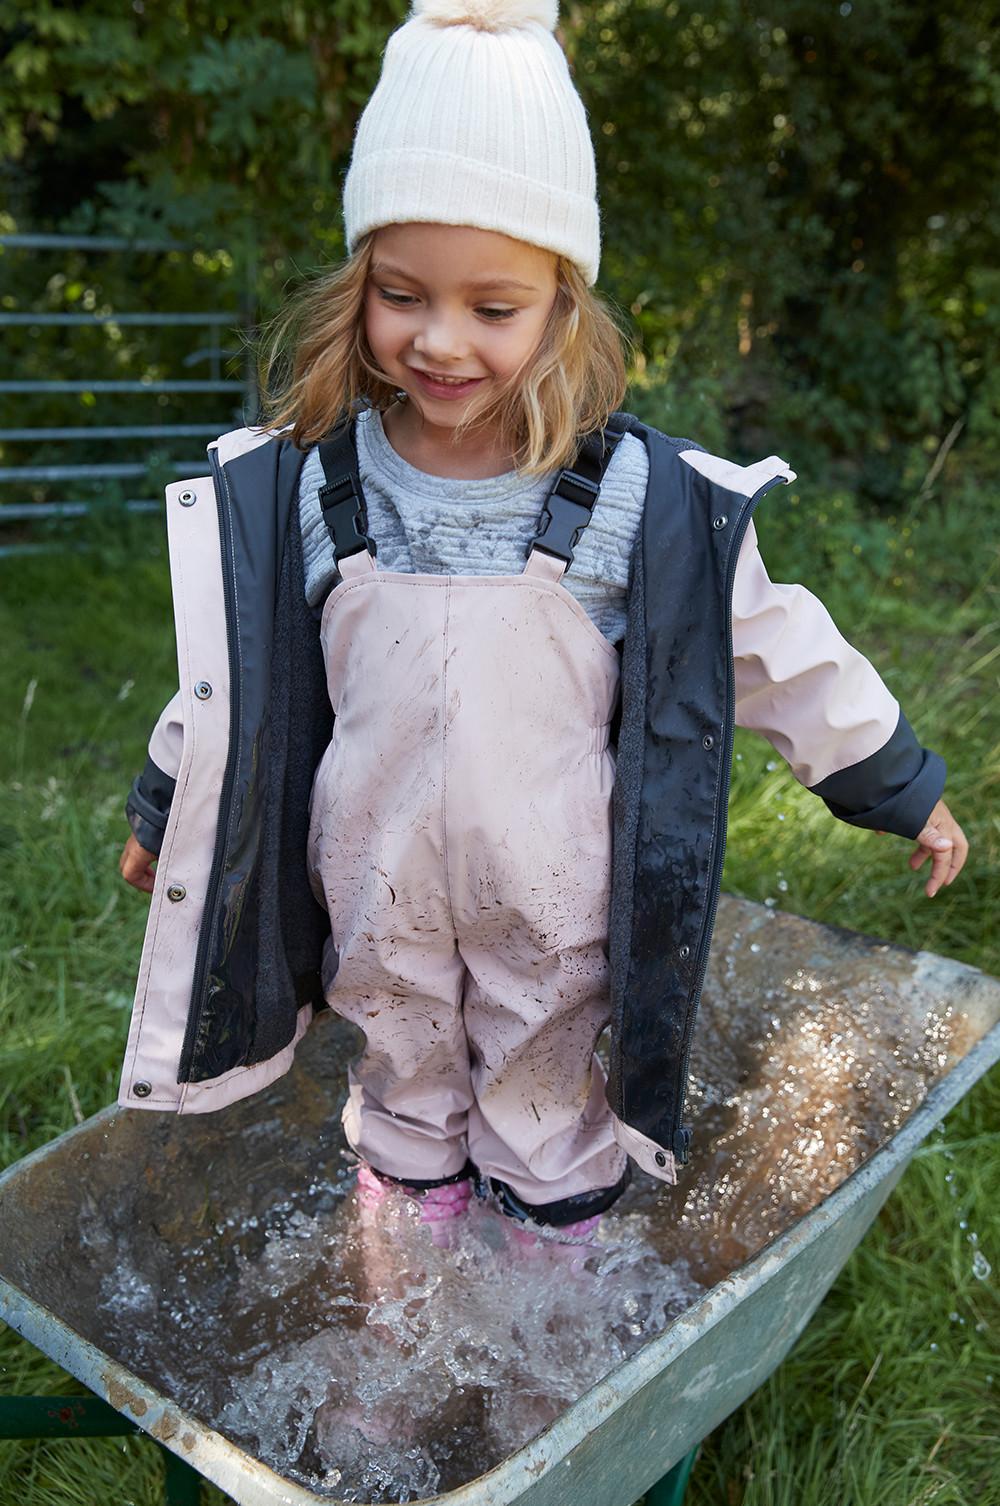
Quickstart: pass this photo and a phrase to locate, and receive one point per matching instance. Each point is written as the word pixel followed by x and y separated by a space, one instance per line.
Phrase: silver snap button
pixel 708 741
pixel 720 521
pixel 660 1158
pixel 684 951
pixel 187 498
pixel 142 1089
pixel 176 892
pixel 203 690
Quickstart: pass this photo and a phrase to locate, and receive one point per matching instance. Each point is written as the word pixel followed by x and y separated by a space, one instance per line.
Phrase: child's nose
pixel 441 340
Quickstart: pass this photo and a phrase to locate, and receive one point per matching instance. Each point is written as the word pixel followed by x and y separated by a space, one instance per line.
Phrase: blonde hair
pixel 315 363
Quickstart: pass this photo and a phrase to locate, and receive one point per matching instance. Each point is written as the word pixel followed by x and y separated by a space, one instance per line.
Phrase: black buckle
pixel 344 516
pixel 565 515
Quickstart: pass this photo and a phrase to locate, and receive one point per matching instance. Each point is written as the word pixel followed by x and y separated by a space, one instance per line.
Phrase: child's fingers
pixel 135 865
pixel 940 849
pixel 959 855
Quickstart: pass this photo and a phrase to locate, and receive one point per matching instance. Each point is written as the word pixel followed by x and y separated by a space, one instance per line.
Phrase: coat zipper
pixel 193 1033
pixel 680 1135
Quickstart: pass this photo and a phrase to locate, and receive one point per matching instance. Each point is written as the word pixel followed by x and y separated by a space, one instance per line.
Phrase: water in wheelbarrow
pixel 364 1360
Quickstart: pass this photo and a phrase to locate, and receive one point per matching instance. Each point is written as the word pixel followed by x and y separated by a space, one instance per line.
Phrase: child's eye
pixel 402 300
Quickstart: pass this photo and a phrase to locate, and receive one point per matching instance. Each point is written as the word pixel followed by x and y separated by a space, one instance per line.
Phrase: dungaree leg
pixel 536 1002
pixel 400 978
pixel 409 1093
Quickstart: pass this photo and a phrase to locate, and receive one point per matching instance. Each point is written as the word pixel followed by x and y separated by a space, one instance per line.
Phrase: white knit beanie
pixel 475 121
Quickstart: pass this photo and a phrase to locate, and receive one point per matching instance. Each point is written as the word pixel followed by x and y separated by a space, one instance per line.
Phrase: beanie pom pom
pixel 489 15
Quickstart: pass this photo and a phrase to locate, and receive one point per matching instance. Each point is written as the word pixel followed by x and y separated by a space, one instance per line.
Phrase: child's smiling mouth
pixel 446 386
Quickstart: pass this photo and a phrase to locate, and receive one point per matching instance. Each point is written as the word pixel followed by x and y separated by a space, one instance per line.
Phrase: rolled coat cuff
pixel 893 789
pixel 148 805
pixel 655 1159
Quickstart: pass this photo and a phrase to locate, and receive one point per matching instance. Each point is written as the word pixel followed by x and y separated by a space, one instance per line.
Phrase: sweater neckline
pixel 387 462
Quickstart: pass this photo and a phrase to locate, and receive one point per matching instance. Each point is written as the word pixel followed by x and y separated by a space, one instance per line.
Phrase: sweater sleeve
pixel 824 707
pixel 148 805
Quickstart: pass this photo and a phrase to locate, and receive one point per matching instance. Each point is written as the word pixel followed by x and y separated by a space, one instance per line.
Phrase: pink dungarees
pixel 460 838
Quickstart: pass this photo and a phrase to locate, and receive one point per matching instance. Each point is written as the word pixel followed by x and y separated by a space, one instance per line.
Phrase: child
pixel 461 650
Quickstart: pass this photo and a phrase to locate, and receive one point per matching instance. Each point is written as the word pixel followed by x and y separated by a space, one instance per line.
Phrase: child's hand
pixel 945 843
pixel 136 865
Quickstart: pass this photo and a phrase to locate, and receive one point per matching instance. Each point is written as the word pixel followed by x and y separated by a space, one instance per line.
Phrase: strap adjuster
pixel 344 516
pixel 565 515
pixel 568 482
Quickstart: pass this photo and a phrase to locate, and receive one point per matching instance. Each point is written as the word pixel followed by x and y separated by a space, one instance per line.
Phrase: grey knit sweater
pixel 434 525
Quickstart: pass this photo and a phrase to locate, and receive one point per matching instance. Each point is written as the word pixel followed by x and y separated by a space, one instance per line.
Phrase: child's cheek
pixel 376 322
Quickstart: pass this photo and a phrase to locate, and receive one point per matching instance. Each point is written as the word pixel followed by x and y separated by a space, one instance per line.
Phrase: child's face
pixel 436 303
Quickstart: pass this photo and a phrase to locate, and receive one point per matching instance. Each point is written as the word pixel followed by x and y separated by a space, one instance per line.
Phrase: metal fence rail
pixel 119 431
pixel 208 317
pixel 112 386
pixel 22 511
pixel 111 470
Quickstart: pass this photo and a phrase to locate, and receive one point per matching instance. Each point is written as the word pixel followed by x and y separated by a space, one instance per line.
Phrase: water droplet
pixel 973 1238
pixel 950 1177
pixel 981 1267
pixel 783 885
pixel 755 946
pixel 934 1348
pixel 953 1317
pixel 963 1223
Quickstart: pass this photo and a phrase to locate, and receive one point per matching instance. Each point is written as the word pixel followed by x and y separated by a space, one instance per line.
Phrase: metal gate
pixel 20 473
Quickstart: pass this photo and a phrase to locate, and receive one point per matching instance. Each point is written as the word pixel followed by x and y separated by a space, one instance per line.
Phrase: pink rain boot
pixel 570 1244
pixel 438 1205
pixel 379 1277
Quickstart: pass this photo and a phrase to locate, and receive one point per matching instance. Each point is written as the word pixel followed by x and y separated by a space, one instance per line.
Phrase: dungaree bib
pixel 460 839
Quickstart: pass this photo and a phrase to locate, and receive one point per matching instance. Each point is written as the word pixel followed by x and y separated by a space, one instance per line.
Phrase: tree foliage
pixel 799 208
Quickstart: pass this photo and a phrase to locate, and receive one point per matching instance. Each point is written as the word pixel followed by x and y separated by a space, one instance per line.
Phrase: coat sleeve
pixel 824 708
pixel 152 792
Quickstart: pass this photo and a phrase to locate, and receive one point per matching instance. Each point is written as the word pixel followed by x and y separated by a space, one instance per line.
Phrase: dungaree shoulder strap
pixel 565 514
pixel 342 498
pixel 570 503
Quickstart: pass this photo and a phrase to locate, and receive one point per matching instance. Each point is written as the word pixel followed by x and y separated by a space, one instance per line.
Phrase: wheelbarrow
pixel 139 1250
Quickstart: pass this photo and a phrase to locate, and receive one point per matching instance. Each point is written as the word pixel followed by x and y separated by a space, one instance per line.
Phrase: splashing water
pixel 226 1262
pixel 410 1367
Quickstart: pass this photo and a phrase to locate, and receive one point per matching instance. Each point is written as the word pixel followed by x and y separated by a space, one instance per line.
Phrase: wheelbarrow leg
pixel 670 1490
pixel 183 1484
pixel 90 1417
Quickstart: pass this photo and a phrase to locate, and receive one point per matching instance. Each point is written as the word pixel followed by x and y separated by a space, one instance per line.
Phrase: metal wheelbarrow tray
pixel 822 1059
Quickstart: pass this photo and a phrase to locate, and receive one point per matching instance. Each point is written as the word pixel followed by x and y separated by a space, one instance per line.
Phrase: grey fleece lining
pixel 628 776
pixel 291 925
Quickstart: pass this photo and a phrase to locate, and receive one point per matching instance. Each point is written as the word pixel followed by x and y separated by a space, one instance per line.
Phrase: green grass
pixel 865 1411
